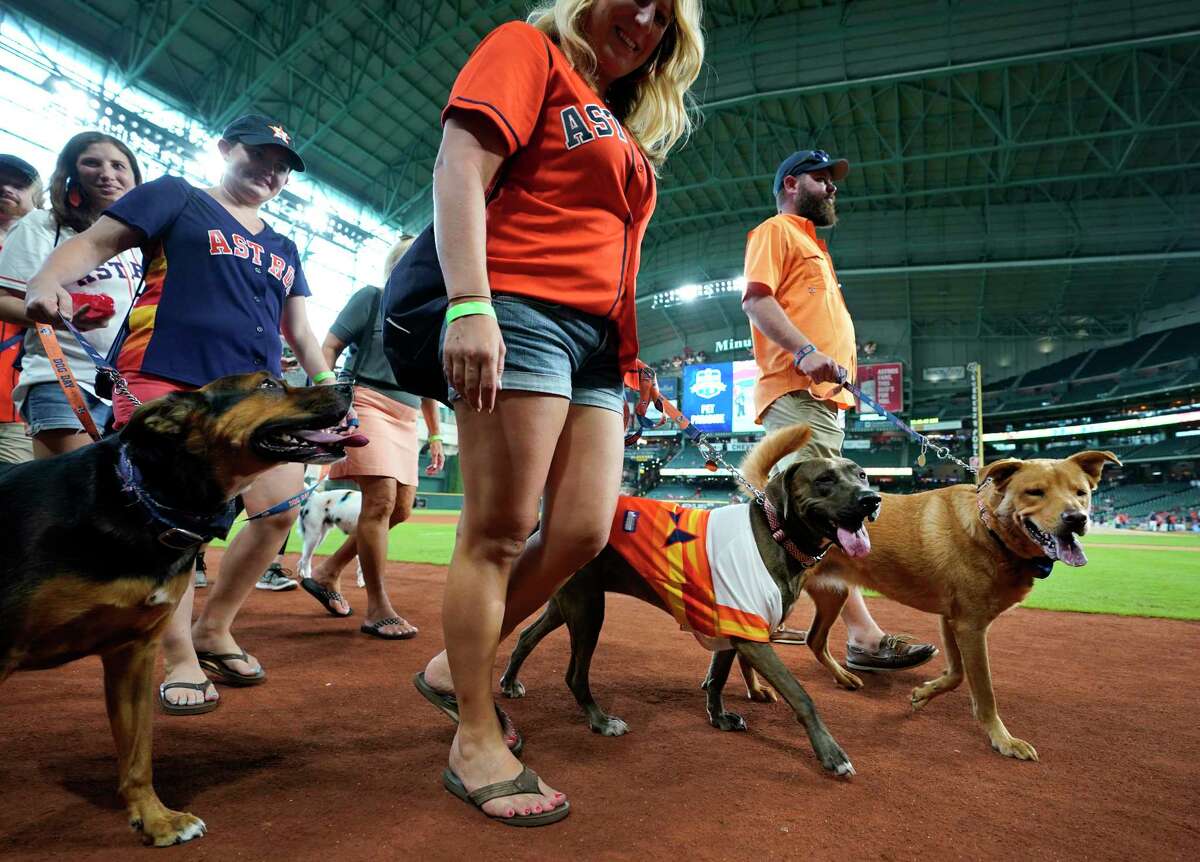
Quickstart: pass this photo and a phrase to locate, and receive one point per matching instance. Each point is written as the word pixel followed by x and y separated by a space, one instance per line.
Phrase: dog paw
pixel 1012 747
pixel 175 827
pixel 921 695
pixel 727 721
pixel 610 726
pixel 512 688
pixel 848 680
pixel 762 694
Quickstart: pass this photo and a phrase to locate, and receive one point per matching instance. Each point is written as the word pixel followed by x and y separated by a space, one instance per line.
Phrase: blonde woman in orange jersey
pixel 570 114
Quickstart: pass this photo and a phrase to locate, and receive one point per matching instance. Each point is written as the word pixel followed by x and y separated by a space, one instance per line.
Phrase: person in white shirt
pixel 94 170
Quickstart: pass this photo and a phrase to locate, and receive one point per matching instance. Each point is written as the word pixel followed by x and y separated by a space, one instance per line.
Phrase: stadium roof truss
pixel 1019 168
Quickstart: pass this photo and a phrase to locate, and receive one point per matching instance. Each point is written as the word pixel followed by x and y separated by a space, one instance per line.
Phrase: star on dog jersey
pixel 677 535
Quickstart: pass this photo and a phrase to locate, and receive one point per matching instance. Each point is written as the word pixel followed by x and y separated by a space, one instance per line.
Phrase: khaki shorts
pixel 800 408
pixel 15 445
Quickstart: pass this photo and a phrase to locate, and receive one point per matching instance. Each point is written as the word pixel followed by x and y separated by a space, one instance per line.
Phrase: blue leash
pixel 941 451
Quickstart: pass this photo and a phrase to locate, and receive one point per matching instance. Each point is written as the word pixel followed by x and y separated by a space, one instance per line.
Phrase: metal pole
pixel 977 412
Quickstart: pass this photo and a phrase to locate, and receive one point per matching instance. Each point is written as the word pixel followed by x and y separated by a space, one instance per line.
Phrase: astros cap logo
pixel 281 134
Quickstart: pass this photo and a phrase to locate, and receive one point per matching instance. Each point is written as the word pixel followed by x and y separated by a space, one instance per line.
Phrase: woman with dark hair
pixel 94 171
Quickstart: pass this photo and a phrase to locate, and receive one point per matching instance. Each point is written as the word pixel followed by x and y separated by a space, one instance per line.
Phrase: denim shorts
pixel 557 350
pixel 46 408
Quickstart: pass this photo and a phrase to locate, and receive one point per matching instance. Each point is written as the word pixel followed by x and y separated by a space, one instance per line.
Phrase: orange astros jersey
pixel 703 564
pixel 576 192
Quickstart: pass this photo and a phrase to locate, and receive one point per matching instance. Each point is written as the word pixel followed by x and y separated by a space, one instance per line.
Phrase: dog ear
pixel 786 485
pixel 1092 463
pixel 169 416
pixel 1000 472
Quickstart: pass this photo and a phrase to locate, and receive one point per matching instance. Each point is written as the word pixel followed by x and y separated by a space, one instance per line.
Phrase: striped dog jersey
pixel 705 566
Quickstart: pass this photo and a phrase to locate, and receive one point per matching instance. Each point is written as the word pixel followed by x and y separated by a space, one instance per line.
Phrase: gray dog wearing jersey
pixel 812 503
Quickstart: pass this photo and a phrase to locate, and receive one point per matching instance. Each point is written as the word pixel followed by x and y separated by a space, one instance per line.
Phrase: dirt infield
pixel 337 757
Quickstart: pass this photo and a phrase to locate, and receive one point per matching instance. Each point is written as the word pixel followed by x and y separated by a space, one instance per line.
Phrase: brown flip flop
pixel 214 664
pixel 373 629
pixel 526 782
pixel 186 708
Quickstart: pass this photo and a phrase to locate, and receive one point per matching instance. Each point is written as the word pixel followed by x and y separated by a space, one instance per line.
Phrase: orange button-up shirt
pixel 784 255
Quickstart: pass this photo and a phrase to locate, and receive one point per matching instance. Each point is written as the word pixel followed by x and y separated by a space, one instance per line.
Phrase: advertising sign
pixel 745 373
pixel 885 383
pixel 708 396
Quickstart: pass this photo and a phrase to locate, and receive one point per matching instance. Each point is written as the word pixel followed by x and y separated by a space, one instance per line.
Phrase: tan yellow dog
pixel 965 553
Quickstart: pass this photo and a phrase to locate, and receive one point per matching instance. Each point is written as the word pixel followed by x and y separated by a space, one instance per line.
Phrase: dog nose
pixel 868 503
pixel 1075 521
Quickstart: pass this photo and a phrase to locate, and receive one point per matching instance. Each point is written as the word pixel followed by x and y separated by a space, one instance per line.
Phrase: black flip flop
pixel 526 782
pixel 325 597
pixel 214 664
pixel 373 629
pixel 448 704
pixel 186 708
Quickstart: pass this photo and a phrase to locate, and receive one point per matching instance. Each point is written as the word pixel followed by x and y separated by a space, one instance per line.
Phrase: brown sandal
pixel 526 782
pixel 186 708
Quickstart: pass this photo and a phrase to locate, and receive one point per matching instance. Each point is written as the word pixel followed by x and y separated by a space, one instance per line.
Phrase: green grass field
pixel 1159 578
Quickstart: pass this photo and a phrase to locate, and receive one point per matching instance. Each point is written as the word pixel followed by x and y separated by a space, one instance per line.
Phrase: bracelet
pixel 483 296
pixel 321 376
pixel 465 309
pixel 803 352
pixel 435 438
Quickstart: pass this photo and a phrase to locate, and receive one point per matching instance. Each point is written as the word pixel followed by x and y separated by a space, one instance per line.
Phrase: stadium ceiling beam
pixel 140 58
pixel 1092 177
pixel 952 69
pixel 908 270
pixel 747 102
pixel 298 45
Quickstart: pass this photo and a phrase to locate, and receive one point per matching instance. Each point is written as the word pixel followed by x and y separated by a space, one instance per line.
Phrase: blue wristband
pixel 803 352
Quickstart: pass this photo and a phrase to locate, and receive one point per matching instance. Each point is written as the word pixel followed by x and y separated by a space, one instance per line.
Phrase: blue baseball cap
pixel 807 161
pixel 257 130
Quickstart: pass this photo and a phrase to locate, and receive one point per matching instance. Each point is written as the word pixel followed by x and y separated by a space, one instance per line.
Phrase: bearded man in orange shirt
pixel 804 345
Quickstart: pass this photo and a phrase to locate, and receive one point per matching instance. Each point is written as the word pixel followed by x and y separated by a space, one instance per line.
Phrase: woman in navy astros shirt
pixel 221 285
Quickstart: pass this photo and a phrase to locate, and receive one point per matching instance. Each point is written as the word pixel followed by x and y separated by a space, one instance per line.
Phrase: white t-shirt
pixel 740 578
pixel 25 249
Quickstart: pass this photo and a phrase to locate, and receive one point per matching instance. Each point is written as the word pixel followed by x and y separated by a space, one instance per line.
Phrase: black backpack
pixel 414 306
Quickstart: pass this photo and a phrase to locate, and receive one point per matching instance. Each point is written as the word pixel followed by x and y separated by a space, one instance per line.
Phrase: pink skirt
pixel 392 429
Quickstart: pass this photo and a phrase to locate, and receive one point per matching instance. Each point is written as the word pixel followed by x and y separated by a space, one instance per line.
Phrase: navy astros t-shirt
pixel 214 290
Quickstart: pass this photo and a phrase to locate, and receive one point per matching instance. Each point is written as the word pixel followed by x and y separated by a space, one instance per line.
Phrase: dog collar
pixel 184 530
pixel 777 533
pixel 1042 565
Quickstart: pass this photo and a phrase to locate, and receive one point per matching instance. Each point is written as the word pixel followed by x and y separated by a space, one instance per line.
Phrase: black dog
pixel 819 501
pixel 99 543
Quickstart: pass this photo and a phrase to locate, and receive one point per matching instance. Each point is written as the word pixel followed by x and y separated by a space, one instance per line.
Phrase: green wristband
pixel 463 309
pixel 322 376
pixel 435 438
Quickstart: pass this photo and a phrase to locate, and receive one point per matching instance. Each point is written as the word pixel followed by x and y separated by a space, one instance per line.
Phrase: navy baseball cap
pixel 18 166
pixel 807 161
pixel 256 130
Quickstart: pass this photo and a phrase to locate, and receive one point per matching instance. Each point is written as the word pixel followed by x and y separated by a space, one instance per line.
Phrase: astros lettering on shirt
pixel 576 192
pixel 214 289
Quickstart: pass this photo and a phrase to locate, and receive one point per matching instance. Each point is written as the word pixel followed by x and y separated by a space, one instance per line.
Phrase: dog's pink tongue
pixel 1069 551
pixel 857 544
pixel 322 438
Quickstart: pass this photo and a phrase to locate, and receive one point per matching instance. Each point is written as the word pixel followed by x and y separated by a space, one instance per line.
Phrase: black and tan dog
pixel 967 554
pixel 818 501
pixel 98 544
